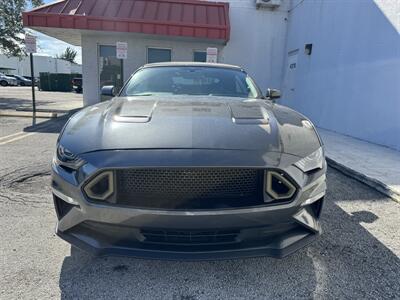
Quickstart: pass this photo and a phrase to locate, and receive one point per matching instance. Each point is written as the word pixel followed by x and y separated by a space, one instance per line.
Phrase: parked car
pixel 77 84
pixel 22 81
pixel 30 78
pixel 189 161
pixel 6 80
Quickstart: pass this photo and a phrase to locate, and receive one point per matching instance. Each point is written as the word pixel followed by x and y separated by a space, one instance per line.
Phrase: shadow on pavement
pixel 53 125
pixel 14 103
pixel 346 262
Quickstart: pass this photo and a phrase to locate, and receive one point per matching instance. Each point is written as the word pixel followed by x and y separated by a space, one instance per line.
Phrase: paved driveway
pixel 357 257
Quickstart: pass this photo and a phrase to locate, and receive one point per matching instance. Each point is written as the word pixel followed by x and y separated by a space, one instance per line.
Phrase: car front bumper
pixel 271 230
pixel 104 239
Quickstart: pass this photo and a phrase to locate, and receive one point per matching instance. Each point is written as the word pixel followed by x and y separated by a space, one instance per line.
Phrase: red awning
pixel 183 18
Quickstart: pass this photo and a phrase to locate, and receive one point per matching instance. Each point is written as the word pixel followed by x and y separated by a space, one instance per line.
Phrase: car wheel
pixel 3 83
pixel 22 84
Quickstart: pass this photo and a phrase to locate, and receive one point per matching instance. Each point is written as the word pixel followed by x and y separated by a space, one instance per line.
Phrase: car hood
pixel 189 122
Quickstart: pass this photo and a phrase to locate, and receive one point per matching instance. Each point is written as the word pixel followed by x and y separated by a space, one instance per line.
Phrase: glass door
pixel 110 68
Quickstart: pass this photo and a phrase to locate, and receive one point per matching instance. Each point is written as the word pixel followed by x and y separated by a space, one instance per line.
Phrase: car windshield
pixel 191 80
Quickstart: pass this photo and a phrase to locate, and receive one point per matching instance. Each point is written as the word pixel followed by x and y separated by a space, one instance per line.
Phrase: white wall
pixel 257 43
pixel 76 68
pixel 351 82
pixel 40 64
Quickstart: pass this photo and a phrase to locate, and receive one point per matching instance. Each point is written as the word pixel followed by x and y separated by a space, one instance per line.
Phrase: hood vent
pixel 135 111
pixel 249 113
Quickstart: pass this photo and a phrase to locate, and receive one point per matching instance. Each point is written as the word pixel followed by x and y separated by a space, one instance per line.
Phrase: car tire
pixel 3 83
pixel 22 84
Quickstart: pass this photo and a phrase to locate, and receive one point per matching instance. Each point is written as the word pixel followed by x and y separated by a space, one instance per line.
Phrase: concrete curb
pixel 26 114
pixel 372 182
pixel 43 110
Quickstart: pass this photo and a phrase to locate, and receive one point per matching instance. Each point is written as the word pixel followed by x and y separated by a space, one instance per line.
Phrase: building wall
pixel 351 82
pixel 258 39
pixel 40 64
pixel 76 69
pixel 257 44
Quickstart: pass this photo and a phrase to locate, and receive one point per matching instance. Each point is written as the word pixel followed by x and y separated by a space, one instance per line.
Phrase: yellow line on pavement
pixel 18 138
pixel 21 135
pixel 11 135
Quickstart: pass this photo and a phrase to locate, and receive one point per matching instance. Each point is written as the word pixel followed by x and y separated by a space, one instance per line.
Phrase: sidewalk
pixel 375 165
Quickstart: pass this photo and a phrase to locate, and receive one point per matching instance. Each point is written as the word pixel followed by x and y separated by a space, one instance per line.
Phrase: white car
pixel 7 80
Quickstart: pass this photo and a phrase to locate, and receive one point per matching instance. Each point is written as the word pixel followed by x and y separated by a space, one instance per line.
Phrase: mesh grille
pixel 189 188
pixel 190 237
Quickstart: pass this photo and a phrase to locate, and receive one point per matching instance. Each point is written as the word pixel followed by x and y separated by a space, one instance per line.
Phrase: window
pixel 155 55
pixel 191 80
pixel 200 56
pixel 108 51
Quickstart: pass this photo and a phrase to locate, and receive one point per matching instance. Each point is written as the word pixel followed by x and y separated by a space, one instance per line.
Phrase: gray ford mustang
pixel 189 161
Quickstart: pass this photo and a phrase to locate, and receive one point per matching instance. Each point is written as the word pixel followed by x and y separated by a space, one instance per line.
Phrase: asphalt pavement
pixel 357 256
pixel 20 97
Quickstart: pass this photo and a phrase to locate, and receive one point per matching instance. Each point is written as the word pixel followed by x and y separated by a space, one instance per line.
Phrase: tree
pixel 12 32
pixel 69 55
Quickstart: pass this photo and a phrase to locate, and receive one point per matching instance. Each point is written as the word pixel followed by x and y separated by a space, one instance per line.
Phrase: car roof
pixel 193 64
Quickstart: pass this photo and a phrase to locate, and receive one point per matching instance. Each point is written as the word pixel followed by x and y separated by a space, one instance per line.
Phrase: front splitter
pixel 278 247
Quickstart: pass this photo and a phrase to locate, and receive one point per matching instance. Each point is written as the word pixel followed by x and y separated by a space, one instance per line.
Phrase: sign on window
pixel 122 50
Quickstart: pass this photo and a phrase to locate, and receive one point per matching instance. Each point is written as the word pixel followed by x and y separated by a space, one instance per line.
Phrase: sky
pixel 51 46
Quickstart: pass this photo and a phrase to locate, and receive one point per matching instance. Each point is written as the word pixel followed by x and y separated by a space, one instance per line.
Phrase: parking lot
pixel 18 97
pixel 357 256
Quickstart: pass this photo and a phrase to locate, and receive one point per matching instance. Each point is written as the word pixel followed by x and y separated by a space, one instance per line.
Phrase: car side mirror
pixel 108 90
pixel 273 94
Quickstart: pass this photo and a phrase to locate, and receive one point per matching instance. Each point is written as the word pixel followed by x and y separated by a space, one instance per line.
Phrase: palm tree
pixel 69 55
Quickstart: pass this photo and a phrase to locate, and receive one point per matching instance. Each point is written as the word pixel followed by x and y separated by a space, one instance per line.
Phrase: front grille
pixel 189 188
pixel 190 237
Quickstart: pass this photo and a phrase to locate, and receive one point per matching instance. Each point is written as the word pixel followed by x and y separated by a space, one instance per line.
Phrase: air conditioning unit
pixel 268 3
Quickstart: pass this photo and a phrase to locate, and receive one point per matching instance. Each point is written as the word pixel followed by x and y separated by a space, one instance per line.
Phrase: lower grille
pixel 190 237
pixel 189 188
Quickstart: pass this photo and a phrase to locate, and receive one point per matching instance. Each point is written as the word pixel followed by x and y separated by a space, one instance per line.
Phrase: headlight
pixel 67 159
pixel 311 162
